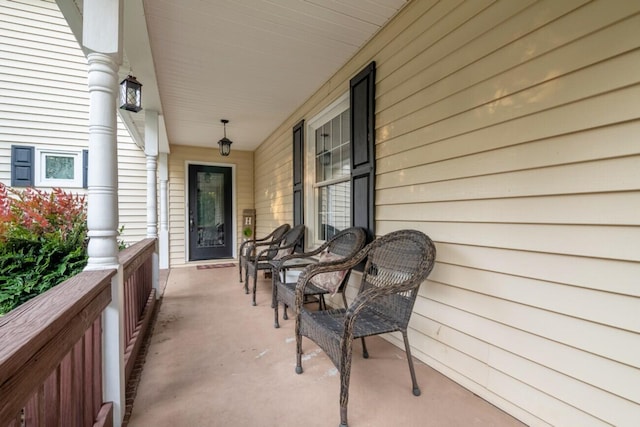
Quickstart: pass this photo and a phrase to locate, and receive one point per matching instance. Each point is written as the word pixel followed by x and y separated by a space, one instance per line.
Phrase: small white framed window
pixel 58 168
pixel 328 151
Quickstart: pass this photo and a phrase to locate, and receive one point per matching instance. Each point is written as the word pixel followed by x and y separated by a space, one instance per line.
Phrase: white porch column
pixel 151 151
pixel 102 36
pixel 164 211
pixel 102 196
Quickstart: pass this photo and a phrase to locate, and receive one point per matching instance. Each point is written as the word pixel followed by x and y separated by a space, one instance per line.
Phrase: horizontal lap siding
pixel 517 152
pixel 273 181
pixel 132 187
pixel 44 101
pixel 180 154
pixel 508 132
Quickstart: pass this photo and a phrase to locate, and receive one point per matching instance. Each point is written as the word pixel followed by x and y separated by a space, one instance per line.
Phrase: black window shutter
pixel 298 177
pixel 85 168
pixel 22 166
pixel 362 105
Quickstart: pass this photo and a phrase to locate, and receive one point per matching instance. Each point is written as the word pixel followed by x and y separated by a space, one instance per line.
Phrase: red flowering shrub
pixel 40 214
pixel 42 242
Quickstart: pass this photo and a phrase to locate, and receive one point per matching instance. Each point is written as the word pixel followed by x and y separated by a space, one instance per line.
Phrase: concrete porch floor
pixel 215 360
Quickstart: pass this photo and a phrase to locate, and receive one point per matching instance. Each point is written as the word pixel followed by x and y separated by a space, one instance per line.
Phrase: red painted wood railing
pixel 139 297
pixel 51 356
pixel 51 347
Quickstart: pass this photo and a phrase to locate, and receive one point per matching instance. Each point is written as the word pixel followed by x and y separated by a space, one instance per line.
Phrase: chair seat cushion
pixel 329 281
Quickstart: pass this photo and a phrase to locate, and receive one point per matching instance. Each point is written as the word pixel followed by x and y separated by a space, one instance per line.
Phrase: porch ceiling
pixel 252 62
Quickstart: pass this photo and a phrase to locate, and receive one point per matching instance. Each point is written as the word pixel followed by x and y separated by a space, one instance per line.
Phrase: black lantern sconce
pixel 130 94
pixel 225 143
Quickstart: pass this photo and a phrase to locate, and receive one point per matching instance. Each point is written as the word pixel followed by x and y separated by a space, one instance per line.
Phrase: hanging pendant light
pixel 225 143
pixel 131 94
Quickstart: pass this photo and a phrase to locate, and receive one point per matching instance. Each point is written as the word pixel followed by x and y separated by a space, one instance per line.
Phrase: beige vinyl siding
pixel 132 187
pixel 178 186
pixel 44 101
pixel 508 132
pixel 273 188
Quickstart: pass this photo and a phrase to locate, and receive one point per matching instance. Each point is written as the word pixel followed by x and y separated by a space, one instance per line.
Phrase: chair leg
pixel 274 303
pixel 345 376
pixel 284 315
pixel 298 345
pixel 416 389
pixel 246 280
pixel 365 353
pixel 273 291
pixel 240 268
pixel 344 299
pixel 255 285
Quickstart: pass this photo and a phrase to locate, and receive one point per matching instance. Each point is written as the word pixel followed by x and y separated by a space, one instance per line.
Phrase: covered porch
pixel 507 131
pixel 241 371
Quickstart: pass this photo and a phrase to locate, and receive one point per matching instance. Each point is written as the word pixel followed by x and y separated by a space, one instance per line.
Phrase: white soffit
pixel 250 61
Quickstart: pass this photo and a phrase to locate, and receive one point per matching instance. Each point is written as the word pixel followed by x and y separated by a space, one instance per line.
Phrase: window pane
pixel 210 209
pixel 319 169
pixel 333 209
pixel 319 140
pixel 335 134
pixel 59 167
pixel 336 163
pixel 333 201
pixel 345 126
pixel 345 157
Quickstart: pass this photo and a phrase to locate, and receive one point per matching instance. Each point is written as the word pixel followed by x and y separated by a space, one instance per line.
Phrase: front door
pixel 210 212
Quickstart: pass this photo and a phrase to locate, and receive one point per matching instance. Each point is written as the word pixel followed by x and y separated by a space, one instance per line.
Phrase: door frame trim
pixel 234 194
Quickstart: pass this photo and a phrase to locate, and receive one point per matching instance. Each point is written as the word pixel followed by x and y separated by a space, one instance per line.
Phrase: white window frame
pixel 337 107
pixel 40 172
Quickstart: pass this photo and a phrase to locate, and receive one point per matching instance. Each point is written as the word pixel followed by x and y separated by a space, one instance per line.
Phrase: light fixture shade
pixel 225 146
pixel 131 94
pixel 225 143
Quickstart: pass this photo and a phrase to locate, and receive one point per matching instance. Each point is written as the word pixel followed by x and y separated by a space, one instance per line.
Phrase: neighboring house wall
pixel 44 101
pixel 243 197
pixel 508 132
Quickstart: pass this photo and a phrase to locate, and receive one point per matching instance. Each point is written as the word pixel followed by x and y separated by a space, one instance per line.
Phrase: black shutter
pixel 85 168
pixel 298 177
pixel 22 166
pixel 362 105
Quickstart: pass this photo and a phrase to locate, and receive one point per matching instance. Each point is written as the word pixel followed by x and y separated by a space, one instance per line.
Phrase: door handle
pixel 190 221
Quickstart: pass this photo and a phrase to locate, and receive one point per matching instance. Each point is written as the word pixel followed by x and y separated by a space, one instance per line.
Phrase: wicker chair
pixel 271 250
pixel 396 265
pixel 345 244
pixel 247 248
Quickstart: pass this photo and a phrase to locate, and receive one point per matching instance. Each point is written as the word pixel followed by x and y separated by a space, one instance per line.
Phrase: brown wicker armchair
pixel 396 265
pixel 271 250
pixel 345 244
pixel 247 248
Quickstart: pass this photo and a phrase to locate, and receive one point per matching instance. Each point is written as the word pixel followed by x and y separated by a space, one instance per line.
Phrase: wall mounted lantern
pixel 225 143
pixel 131 94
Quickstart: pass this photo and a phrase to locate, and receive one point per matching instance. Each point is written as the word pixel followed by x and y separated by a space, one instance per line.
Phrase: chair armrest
pixel 301 255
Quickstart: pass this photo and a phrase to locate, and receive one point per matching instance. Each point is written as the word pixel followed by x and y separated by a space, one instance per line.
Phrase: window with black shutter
pixel 298 178
pixel 341 156
pixel 362 105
